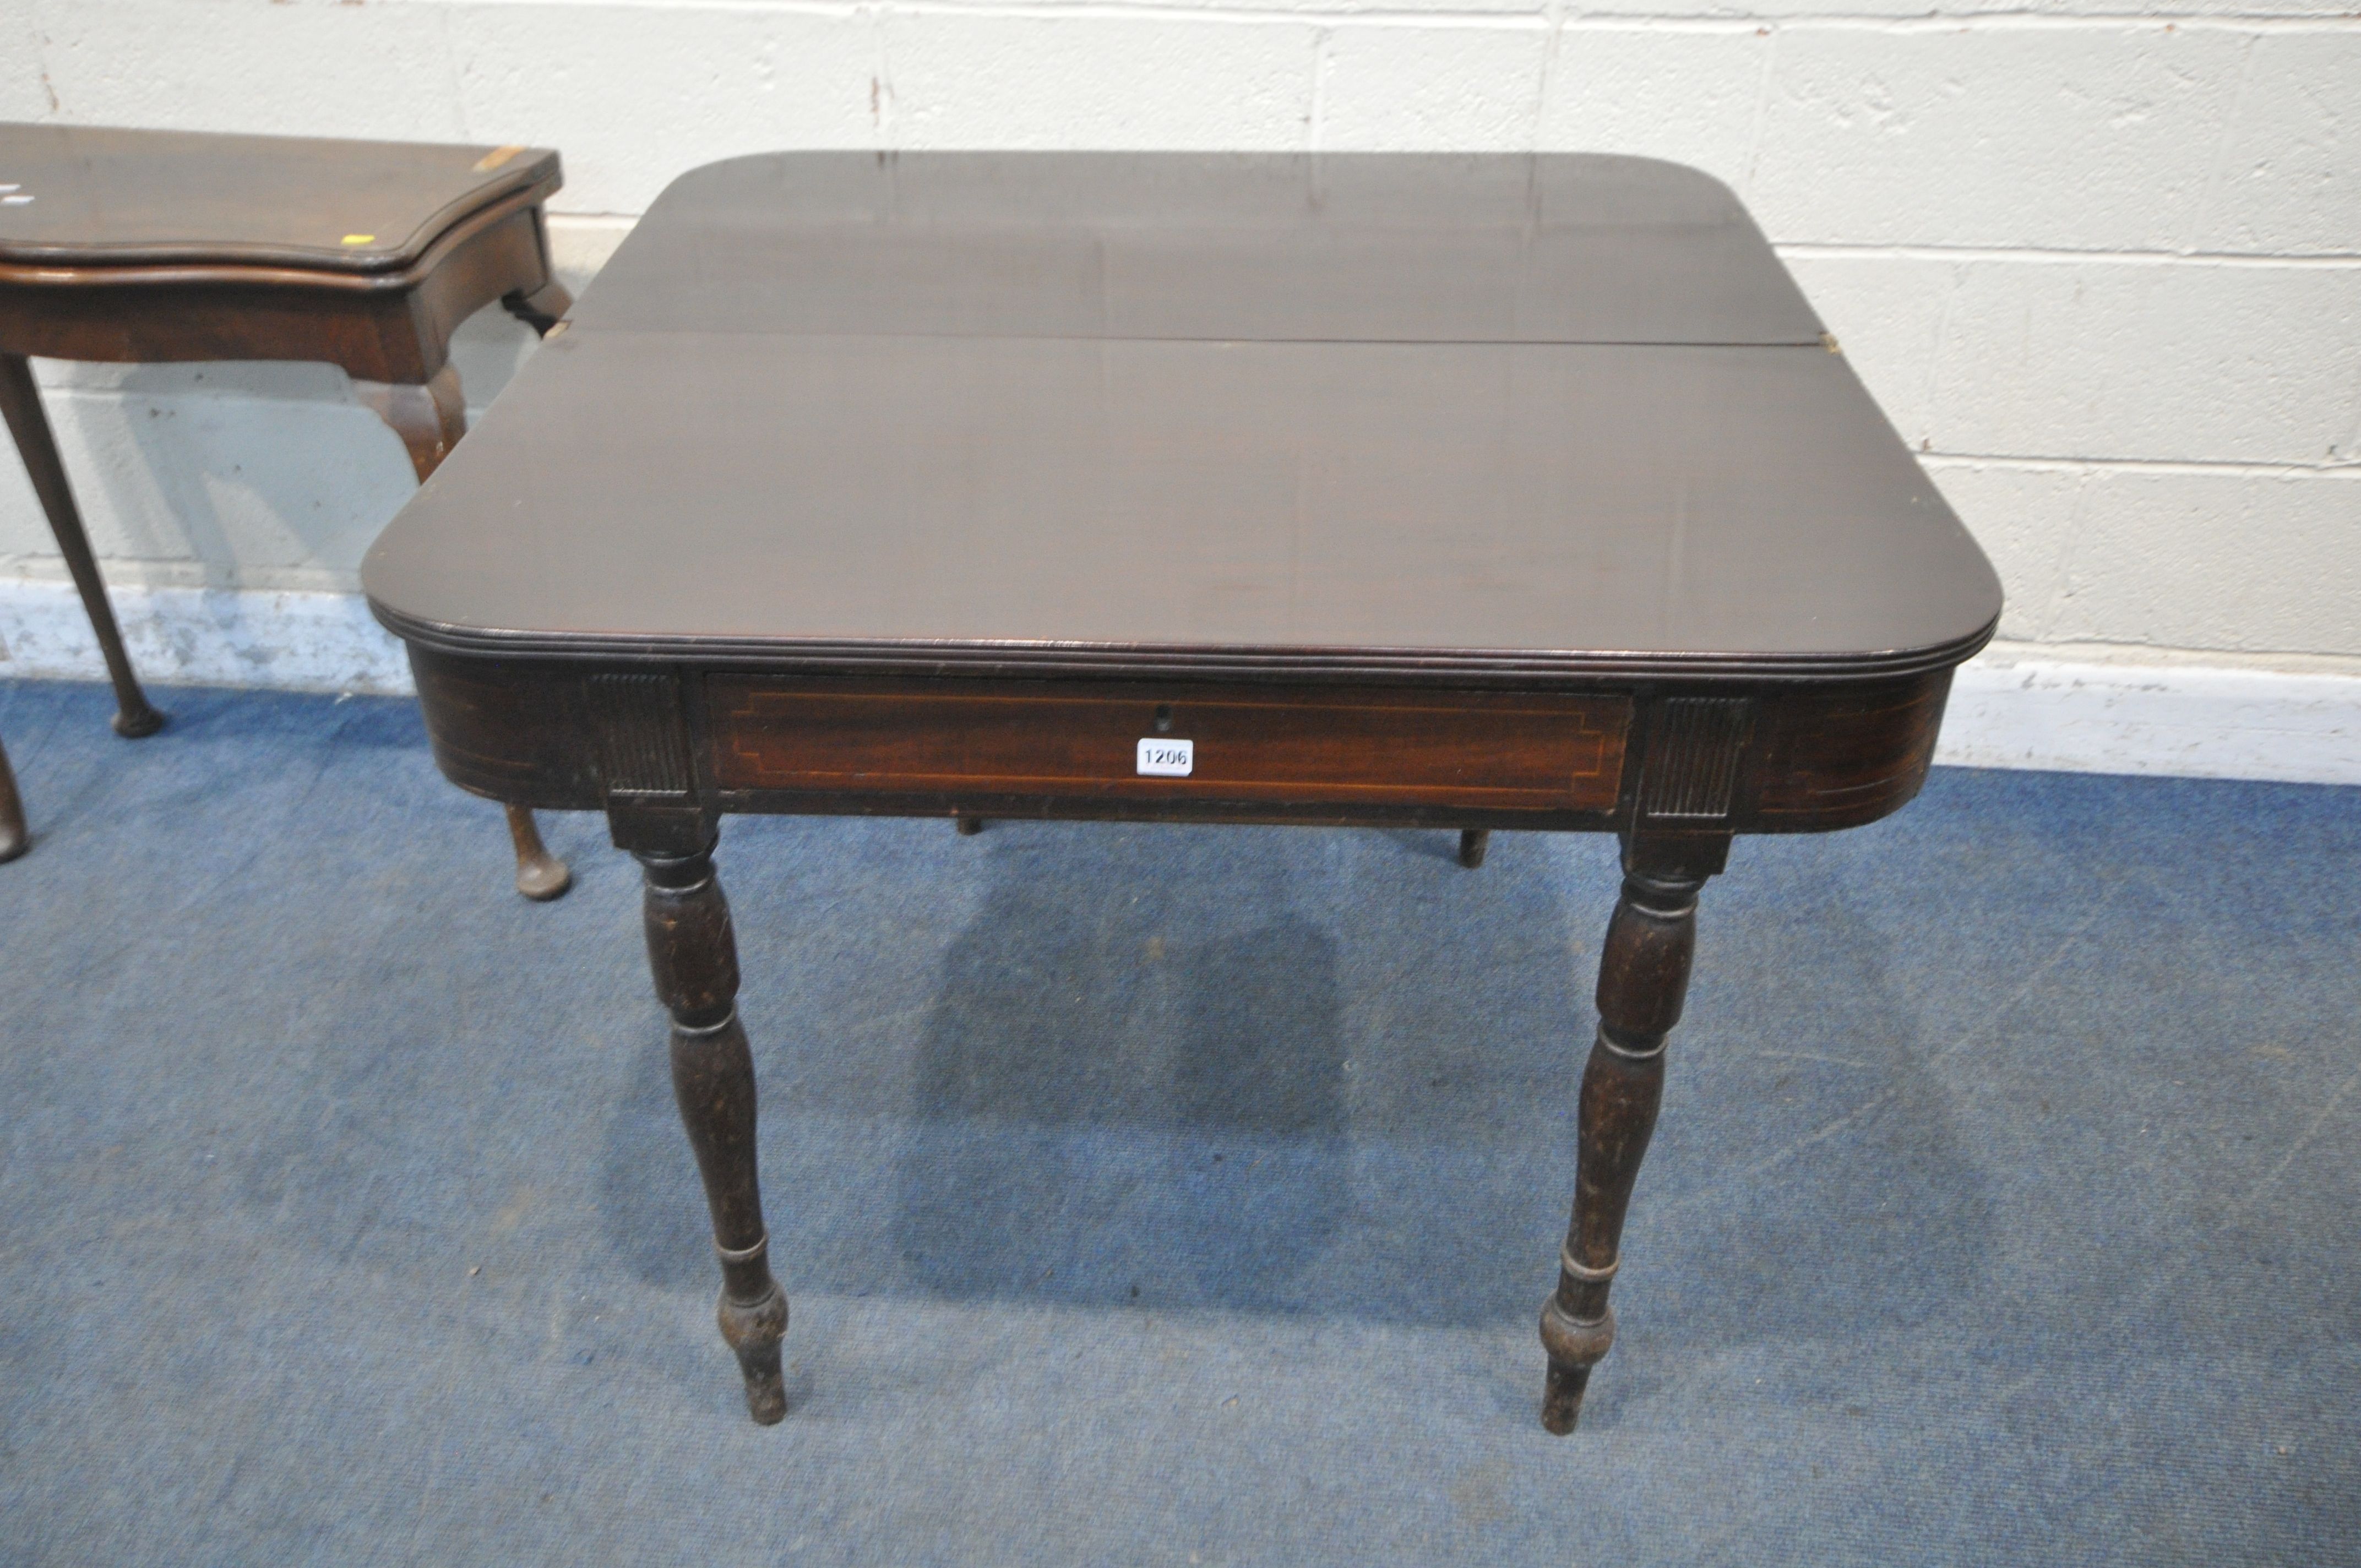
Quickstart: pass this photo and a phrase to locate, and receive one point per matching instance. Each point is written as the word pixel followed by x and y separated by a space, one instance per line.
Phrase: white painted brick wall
pixel 2103 269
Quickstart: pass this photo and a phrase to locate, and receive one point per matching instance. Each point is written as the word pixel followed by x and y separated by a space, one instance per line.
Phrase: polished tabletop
pixel 1548 414
pixel 94 195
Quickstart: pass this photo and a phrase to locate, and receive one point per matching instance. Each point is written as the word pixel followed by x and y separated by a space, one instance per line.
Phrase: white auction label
pixel 1170 759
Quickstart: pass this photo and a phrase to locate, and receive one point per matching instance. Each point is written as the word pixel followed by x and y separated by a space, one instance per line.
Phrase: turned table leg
pixel 20 401
pixel 1643 976
pixel 13 837
pixel 695 959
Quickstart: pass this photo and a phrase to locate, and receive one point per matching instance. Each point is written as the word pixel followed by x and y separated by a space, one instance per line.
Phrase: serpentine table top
pixel 126 245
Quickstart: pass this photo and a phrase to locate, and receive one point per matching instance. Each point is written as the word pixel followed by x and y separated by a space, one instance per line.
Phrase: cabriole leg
pixel 541 876
pixel 20 401
pixel 13 835
pixel 541 308
pixel 1642 975
pixel 694 960
pixel 429 416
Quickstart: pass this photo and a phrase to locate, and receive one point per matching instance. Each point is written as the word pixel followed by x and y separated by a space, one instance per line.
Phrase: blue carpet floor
pixel 1161 1195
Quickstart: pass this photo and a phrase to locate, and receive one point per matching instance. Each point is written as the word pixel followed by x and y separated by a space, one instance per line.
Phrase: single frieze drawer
pixel 1295 744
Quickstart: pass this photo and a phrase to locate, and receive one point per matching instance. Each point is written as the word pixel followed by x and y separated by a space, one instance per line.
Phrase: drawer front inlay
pixel 1487 750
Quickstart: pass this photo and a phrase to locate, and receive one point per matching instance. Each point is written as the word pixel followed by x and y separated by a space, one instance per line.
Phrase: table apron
pixel 389 329
pixel 1745 757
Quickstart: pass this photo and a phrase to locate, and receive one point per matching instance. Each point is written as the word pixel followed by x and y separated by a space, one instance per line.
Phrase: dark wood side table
pixel 152 245
pixel 1476 493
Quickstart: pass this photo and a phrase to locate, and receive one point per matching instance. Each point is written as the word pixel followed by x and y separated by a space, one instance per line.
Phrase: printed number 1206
pixel 1168 759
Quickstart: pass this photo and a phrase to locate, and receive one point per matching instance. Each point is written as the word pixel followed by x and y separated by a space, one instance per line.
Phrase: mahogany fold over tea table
pixel 1467 492
pixel 137 246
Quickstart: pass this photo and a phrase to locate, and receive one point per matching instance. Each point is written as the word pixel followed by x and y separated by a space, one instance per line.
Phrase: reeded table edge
pixel 921 656
pixel 181 262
